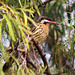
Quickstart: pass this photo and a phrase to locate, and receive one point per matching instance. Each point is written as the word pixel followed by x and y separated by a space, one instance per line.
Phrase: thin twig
pixel 28 61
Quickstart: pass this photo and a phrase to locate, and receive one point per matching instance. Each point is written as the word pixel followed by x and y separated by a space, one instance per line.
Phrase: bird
pixel 40 33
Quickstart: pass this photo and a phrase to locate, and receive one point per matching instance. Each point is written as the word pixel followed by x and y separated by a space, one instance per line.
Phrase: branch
pixel 42 56
pixel 28 61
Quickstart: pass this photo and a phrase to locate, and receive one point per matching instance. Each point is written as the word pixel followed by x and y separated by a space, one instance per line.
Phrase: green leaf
pixel 25 21
pixel 69 37
pixel 4 52
pixel 11 32
pixel 20 3
pixel 26 10
pixel 32 21
pixel 71 25
pixel 37 10
pixel 15 26
pixel 44 69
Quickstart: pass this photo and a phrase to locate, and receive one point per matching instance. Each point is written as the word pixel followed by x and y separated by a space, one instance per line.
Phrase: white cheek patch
pixel 44 21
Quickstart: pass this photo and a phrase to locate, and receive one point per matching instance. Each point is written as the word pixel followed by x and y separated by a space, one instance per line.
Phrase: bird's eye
pixel 45 22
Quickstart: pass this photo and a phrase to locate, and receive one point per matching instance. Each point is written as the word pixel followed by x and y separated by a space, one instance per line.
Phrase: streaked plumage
pixel 40 32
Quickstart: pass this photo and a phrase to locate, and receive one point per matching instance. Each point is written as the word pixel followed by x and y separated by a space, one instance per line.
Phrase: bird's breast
pixel 40 34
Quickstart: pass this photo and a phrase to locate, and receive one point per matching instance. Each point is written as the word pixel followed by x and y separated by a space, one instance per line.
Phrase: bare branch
pixel 42 56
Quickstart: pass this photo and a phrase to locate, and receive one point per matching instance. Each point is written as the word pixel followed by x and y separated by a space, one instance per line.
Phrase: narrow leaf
pixel 11 33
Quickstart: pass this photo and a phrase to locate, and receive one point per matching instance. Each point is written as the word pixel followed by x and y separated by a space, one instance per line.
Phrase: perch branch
pixel 42 56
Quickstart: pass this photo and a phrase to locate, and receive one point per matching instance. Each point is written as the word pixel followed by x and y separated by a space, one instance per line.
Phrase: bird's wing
pixel 32 27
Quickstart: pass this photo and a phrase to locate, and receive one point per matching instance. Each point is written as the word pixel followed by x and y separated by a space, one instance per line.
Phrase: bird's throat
pixel 45 29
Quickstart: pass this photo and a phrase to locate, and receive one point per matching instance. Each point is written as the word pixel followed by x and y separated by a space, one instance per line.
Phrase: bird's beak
pixel 53 22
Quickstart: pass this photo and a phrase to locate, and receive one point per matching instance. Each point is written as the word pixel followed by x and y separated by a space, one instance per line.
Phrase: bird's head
pixel 46 21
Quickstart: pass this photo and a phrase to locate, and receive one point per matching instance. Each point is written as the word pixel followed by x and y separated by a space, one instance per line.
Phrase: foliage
pixel 15 17
pixel 14 24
